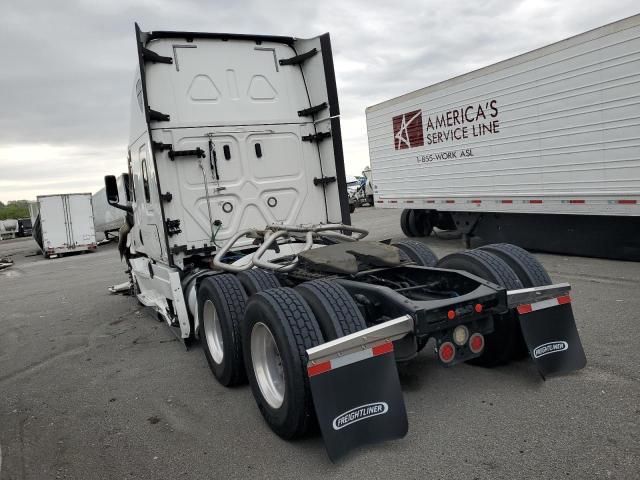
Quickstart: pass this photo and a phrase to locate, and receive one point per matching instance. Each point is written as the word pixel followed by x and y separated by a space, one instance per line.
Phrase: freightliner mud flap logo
pixel 548 348
pixel 407 130
pixel 358 399
pixel 359 413
pixel 550 333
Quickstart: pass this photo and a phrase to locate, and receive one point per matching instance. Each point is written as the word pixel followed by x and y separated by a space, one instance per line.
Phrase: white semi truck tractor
pixel 238 234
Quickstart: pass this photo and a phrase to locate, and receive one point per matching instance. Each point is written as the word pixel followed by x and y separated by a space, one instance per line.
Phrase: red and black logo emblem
pixel 407 130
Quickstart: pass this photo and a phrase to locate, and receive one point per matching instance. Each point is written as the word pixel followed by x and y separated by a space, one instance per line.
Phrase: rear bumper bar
pixel 399 327
pixel 516 298
pixel 388 331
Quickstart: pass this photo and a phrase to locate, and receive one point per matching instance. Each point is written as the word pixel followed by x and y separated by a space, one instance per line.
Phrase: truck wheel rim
pixel 213 331
pixel 267 365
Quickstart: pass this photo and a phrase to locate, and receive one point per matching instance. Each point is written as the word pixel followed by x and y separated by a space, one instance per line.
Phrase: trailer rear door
pixel 80 217
pixel 54 221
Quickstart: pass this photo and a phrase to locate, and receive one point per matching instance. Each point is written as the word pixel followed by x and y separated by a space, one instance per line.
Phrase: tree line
pixel 14 209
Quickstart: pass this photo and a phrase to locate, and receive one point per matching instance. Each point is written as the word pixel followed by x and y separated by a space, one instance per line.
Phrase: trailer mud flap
pixel 358 399
pixel 550 332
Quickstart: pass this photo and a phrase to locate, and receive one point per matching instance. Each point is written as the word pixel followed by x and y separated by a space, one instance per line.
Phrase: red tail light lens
pixel 451 314
pixel 478 308
pixel 476 343
pixel 447 352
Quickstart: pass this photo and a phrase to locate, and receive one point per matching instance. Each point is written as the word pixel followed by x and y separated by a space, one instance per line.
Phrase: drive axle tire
pixel 221 304
pixel 257 279
pixel 279 328
pixel 404 223
pixel 335 310
pixel 417 252
pixel 529 270
pixel 504 343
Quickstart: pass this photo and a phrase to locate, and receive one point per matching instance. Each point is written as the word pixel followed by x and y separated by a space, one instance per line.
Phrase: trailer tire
pixel 335 310
pixel 528 268
pixel 504 342
pixel 221 304
pixel 404 223
pixel 281 318
pixel 257 279
pixel 414 223
pixel 417 252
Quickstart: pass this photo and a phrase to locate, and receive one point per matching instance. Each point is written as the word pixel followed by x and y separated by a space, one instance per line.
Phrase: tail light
pixel 447 352
pixel 476 343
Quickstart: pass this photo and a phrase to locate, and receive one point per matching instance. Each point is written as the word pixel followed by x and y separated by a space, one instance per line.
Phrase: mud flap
pixel 358 399
pixel 550 332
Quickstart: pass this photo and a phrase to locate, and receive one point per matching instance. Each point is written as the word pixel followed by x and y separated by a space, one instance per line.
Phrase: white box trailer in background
pixel 64 224
pixel 108 219
pixel 34 211
pixel 541 150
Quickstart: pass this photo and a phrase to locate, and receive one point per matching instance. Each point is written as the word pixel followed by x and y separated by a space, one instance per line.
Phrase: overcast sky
pixel 68 65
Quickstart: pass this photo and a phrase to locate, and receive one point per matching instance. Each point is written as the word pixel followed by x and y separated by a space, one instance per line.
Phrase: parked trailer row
pixel 238 234
pixel 539 150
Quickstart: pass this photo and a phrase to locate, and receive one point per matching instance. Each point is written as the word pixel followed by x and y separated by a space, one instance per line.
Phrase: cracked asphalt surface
pixel 93 387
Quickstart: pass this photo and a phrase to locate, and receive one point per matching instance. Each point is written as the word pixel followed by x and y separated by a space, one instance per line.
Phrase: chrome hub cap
pixel 213 331
pixel 267 365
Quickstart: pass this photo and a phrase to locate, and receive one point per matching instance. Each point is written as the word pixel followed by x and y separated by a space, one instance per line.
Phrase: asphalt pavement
pixel 92 386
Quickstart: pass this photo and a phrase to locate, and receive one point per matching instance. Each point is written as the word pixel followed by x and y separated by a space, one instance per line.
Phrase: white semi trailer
pixel 239 235
pixel 542 150
pixel 63 224
pixel 108 219
pixel 8 229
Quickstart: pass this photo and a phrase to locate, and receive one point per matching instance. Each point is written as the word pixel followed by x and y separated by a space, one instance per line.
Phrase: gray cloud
pixel 67 69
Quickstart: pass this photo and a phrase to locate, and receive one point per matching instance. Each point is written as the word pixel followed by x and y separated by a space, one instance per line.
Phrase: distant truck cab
pixel 24 227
